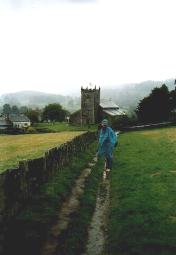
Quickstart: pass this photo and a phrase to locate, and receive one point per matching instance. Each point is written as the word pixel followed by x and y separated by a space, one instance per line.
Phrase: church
pixel 93 110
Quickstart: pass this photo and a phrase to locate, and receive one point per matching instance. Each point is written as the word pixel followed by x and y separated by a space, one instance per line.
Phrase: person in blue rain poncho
pixel 107 142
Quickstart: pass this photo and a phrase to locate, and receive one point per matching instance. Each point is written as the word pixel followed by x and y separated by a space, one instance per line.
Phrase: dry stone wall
pixel 18 185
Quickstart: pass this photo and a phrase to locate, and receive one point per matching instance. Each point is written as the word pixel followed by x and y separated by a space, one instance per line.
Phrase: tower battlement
pixel 90 89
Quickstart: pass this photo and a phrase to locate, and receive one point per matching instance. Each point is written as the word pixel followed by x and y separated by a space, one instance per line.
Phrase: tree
pixel 23 109
pixel 33 115
pixel 6 109
pixel 54 112
pixel 122 121
pixel 14 109
pixel 155 107
pixel 172 98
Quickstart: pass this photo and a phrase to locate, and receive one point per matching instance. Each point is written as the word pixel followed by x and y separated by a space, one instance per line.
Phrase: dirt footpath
pixel 98 227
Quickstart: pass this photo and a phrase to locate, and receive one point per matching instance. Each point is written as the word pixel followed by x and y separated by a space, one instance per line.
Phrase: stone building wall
pixel 90 99
pixel 96 103
pixel 75 118
pixel 17 186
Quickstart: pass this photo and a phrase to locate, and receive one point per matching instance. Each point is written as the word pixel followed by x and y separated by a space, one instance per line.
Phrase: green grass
pixel 14 148
pixel 143 191
pixel 28 230
pixel 142 216
pixel 62 126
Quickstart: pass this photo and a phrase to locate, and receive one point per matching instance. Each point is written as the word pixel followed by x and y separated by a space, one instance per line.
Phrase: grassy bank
pixel 14 148
pixel 28 231
pixel 143 186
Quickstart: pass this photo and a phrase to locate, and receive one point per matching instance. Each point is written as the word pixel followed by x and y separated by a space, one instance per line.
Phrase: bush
pixel 124 121
pixel 31 130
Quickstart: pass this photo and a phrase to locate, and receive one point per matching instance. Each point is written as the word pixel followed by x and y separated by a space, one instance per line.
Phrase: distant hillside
pixel 40 99
pixel 127 96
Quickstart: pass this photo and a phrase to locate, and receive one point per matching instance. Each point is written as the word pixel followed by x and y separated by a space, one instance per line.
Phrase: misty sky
pixel 60 45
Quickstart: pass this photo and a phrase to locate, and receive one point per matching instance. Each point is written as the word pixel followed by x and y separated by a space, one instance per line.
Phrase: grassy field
pixel 142 216
pixel 143 186
pixel 19 147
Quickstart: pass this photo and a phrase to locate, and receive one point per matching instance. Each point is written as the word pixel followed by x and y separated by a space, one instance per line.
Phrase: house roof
pixel 18 118
pixel 108 104
pixel 4 122
pixel 114 112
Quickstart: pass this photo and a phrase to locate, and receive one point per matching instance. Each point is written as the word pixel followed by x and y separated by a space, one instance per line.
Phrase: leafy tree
pixel 155 107
pixel 124 121
pixel 33 115
pixel 6 109
pixel 172 98
pixel 54 112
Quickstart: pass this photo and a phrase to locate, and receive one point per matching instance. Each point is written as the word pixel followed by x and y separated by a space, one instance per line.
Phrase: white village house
pixel 19 120
pixel 14 121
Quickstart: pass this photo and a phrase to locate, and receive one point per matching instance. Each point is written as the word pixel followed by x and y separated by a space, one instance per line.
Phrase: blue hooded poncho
pixel 107 141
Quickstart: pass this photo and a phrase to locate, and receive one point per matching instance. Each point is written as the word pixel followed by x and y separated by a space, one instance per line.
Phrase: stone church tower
pixel 90 100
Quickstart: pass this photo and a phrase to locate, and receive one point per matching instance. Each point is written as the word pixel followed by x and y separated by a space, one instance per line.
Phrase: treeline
pixel 36 99
pixel 51 112
pixel 158 106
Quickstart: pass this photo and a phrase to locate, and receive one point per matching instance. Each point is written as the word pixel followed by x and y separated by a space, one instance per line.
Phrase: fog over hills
pixel 129 95
pixel 39 99
pixel 126 96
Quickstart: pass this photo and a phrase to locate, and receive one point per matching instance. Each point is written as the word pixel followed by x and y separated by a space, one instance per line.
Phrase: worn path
pixel 70 206
pixel 98 228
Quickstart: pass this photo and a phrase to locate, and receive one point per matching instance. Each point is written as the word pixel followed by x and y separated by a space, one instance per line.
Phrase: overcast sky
pixel 60 45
